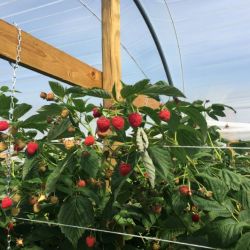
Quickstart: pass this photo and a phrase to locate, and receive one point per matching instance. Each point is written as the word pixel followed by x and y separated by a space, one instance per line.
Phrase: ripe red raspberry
pixel 81 183
pixel 195 217
pixel 135 120
pixel 32 148
pixel 6 202
pixel 118 122
pixel 89 140
pixel 164 115
pixel 4 125
pixel 90 241
pixel 124 168
pixel 96 112
pixel 103 124
pixel 184 190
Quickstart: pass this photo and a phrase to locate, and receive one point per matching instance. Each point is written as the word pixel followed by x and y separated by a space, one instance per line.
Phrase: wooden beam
pixel 44 58
pixel 143 100
pixel 111 59
pixel 47 60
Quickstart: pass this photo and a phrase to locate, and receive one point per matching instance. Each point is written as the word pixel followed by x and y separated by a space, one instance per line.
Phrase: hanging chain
pixel 15 67
pixel 11 112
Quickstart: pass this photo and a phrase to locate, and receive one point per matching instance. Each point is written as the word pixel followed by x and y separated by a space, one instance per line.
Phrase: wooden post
pixel 111 59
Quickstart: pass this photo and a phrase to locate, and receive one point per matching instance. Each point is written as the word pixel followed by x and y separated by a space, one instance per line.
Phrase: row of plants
pixel 121 169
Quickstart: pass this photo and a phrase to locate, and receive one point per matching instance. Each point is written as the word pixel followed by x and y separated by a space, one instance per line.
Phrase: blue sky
pixel 214 39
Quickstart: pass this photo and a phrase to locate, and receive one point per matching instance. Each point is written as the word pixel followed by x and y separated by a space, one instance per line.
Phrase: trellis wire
pixel 207 147
pixel 202 147
pixel 117 233
pixel 31 9
pixel 11 113
pixel 178 45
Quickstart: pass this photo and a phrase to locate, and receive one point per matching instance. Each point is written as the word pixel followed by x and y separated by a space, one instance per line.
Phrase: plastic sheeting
pixel 213 36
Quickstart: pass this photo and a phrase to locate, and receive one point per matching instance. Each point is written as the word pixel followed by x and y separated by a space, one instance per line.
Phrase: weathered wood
pixel 44 58
pixel 111 60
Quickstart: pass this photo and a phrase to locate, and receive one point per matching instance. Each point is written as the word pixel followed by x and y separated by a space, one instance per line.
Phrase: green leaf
pixel 221 107
pixel 151 113
pixel 56 174
pixel 162 161
pixel 225 232
pixel 20 110
pixel 244 216
pixel 152 90
pixel 158 89
pixel 129 90
pixel 29 166
pixel 5 106
pixel 217 209
pixel 244 242
pixel 232 180
pixel 90 164
pixel 4 88
pixel 149 220
pixel 76 211
pixel 50 110
pixel 89 107
pixel 179 202
pixel 197 118
pixel 171 227
pixel 245 198
pixel 97 92
pixel 57 88
pixel 75 90
pixel 89 193
pixel 188 136
pixel 245 183
pixel 35 121
pixel 217 186
pixel 79 105
pixel 57 130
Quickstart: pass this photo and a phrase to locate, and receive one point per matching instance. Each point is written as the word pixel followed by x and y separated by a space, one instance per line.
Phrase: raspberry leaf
pixel 76 211
pixel 20 110
pixel 57 88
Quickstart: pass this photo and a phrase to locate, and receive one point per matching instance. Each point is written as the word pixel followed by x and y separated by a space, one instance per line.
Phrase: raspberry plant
pixel 122 177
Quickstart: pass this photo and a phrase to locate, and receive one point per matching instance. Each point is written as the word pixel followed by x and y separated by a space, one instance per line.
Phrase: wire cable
pixel 113 232
pixel 30 20
pixel 207 147
pixel 178 45
pixel 7 3
pixel 32 9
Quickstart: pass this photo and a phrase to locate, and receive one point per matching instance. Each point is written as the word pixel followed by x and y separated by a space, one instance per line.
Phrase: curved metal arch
pixel 156 40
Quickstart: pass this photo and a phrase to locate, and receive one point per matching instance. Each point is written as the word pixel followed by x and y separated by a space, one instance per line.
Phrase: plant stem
pixel 212 144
